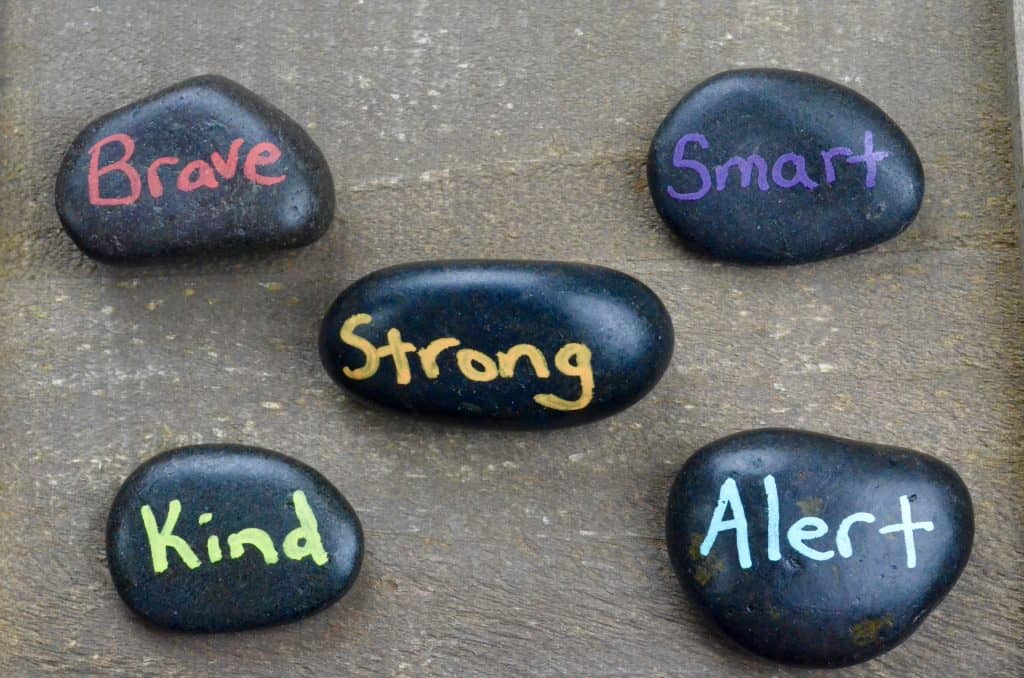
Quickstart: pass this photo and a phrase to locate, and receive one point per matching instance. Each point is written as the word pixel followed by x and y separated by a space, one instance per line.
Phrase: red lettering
pixel 227 168
pixel 121 165
pixel 156 189
pixel 205 179
pixel 264 153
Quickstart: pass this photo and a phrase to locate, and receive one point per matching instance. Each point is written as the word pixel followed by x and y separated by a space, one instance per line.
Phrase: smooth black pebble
pixel 527 344
pixel 778 167
pixel 810 549
pixel 205 166
pixel 226 537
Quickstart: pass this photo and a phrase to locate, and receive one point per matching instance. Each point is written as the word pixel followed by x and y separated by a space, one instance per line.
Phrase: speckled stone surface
pixel 778 167
pixel 528 344
pixel 202 167
pixel 817 550
pixel 226 537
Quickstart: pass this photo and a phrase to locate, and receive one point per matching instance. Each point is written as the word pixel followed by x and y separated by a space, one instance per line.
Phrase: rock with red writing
pixel 205 166
pixel 778 167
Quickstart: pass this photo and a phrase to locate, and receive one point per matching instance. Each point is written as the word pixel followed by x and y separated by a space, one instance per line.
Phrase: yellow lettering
pixel 160 539
pixel 255 537
pixel 397 349
pixel 581 368
pixel 476 366
pixel 507 360
pixel 311 545
pixel 350 338
pixel 428 355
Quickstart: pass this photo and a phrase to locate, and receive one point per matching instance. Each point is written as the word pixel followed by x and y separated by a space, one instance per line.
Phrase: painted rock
pixel 528 344
pixel 779 167
pixel 203 166
pixel 816 550
pixel 225 537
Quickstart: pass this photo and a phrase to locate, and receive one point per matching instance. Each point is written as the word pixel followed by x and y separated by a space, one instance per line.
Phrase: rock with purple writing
pixel 778 167
pixel 815 550
pixel 204 166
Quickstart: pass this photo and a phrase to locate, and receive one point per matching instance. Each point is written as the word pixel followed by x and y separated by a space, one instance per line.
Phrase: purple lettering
pixel 871 158
pixel 746 167
pixel 799 177
pixel 826 157
pixel 679 161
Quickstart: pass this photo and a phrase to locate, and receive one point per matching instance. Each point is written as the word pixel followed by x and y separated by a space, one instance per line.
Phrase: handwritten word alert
pixel 788 171
pixel 194 175
pixel 803 530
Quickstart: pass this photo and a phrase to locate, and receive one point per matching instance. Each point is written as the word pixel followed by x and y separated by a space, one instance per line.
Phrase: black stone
pixel 771 114
pixel 248 210
pixel 242 487
pixel 834 612
pixel 565 311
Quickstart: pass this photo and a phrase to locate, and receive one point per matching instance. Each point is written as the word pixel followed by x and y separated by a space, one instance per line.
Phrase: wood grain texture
pixel 506 130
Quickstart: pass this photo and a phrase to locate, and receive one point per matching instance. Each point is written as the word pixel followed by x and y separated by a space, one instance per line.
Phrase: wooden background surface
pixel 497 129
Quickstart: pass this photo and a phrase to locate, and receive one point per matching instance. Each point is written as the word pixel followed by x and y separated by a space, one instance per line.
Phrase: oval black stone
pixel 810 549
pixel 203 166
pixel 778 167
pixel 226 537
pixel 529 344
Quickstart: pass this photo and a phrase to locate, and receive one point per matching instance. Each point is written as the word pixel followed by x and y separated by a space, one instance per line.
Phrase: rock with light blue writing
pixel 226 537
pixel 778 167
pixel 815 550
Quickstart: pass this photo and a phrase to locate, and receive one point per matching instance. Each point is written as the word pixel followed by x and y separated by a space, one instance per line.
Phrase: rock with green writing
pixel 815 550
pixel 225 537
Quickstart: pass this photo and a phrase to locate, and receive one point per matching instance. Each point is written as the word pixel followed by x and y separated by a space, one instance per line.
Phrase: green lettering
pixel 255 537
pixel 160 539
pixel 306 533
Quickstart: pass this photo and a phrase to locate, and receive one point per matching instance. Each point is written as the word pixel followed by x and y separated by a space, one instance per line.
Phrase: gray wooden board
pixel 497 129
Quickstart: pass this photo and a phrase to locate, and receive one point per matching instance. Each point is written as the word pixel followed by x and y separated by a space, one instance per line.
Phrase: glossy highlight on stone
pixel 202 167
pixel 521 343
pixel 227 537
pixel 768 166
pixel 816 550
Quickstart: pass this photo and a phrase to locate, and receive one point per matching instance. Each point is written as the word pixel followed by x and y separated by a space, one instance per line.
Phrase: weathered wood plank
pixel 497 129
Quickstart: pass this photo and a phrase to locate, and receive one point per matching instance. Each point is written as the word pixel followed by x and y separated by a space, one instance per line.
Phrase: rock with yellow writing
pixel 815 550
pixel 201 167
pixel 527 344
pixel 225 537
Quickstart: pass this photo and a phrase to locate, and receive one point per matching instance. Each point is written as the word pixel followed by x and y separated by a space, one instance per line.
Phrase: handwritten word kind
pixel 193 175
pixel 788 171
pixel 302 542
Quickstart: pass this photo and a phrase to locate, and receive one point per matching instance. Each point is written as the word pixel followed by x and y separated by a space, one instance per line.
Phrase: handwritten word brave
pixel 788 171
pixel 803 530
pixel 194 175
pixel 572 360
pixel 304 541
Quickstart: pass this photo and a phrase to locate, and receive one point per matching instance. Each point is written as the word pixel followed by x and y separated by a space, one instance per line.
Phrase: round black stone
pixel 815 550
pixel 204 166
pixel 226 537
pixel 779 167
pixel 527 344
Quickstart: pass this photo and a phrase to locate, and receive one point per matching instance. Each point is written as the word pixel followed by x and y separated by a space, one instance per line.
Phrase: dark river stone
pixel 528 344
pixel 226 537
pixel 816 550
pixel 205 166
pixel 778 167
